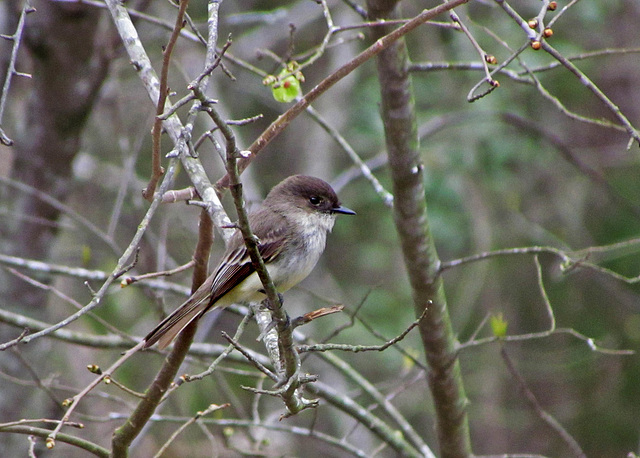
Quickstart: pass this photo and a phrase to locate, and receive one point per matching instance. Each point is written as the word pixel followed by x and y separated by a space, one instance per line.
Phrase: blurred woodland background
pixel 546 160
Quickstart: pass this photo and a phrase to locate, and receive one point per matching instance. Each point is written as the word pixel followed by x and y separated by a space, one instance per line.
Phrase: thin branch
pixel 73 402
pixel 287 117
pixel 386 196
pixel 83 444
pixel 360 348
pixel 173 126
pixel 484 56
pixel 582 56
pixel 156 132
pixel 192 36
pixel 566 111
pixel 539 410
pixel 365 418
pixel 125 434
pixel 111 381
pixel 69 300
pixel 569 259
pixel 11 70
pixel 114 342
pixel 35 377
pixel 83 274
pixel 461 66
pixel 574 158
pixel 126 255
pixel 212 408
pixel 165 273
pixel 65 209
pixel 583 79
pixel 543 334
pixel 258 365
pixel 544 295
pixel 277 426
pixel 225 353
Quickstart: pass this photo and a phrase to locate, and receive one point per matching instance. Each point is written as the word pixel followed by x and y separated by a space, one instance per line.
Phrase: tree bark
pixel 412 224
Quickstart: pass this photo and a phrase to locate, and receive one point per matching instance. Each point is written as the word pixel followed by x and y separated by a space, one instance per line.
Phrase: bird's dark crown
pixel 307 191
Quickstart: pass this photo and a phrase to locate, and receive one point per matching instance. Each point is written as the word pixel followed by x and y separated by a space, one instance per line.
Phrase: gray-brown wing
pixel 234 267
pixel 236 264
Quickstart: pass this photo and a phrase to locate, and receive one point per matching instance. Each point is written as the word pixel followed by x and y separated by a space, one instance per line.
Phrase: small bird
pixel 291 226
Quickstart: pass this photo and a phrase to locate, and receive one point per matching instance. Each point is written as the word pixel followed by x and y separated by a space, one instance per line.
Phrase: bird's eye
pixel 315 200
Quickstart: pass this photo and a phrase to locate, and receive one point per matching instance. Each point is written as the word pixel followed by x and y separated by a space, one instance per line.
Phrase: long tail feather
pixel 172 325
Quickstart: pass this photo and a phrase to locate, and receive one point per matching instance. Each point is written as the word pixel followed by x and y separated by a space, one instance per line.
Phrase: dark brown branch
pixel 156 168
pixel 125 434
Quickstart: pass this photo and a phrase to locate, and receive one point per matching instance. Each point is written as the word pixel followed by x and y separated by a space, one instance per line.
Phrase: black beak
pixel 343 210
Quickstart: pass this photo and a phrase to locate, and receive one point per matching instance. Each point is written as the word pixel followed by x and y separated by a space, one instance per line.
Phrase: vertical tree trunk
pixel 412 224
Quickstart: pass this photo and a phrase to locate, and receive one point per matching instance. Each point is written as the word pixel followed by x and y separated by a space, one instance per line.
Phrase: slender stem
pixel 287 117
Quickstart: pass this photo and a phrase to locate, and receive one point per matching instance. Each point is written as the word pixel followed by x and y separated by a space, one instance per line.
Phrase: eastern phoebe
pixel 291 226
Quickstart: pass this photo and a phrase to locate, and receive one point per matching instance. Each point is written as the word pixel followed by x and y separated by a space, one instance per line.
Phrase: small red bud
pixel 552 6
pixel 547 32
pixel 533 23
pixel 536 45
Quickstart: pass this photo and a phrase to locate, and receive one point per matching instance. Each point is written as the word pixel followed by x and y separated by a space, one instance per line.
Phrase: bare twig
pixel 407 444
pixel 11 70
pixel 126 255
pixel 484 56
pixel 543 334
pixel 191 36
pixel 539 410
pixel 81 273
pixel 65 209
pixel 69 300
pixel 212 408
pixel 582 78
pixel 386 196
pixel 173 126
pixel 277 426
pixel 261 367
pixel 115 342
pixel 569 259
pixel 73 402
pixel 359 348
pixel 285 119
pixel 225 353
pixel 35 377
pixel 165 273
pixel 156 168
pixel 83 444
